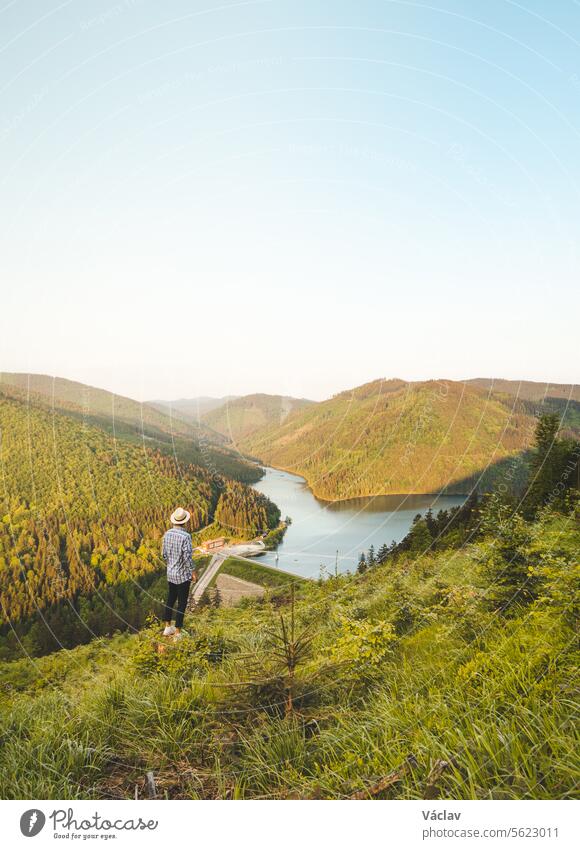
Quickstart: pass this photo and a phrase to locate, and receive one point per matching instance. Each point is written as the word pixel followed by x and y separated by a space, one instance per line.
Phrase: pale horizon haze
pixel 209 198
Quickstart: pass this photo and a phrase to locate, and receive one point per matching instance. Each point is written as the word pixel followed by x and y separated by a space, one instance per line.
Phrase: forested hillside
pixel 130 420
pixel 395 437
pixel 81 512
pixel 537 398
pixel 239 419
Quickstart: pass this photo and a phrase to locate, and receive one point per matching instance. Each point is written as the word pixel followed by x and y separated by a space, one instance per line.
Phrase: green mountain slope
pixel 95 404
pixel 395 437
pixel 130 420
pixel 81 511
pixel 239 419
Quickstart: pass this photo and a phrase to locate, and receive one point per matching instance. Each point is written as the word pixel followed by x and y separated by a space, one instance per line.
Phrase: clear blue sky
pixel 290 195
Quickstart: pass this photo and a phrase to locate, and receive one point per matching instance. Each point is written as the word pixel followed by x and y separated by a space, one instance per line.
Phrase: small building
pixel 210 544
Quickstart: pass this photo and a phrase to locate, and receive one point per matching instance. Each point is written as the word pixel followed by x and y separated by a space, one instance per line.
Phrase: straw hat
pixel 180 516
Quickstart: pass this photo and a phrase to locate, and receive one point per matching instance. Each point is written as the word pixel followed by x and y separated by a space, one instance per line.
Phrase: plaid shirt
pixel 177 552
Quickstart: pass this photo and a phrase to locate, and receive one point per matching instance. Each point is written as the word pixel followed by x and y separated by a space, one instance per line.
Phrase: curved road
pixel 208 575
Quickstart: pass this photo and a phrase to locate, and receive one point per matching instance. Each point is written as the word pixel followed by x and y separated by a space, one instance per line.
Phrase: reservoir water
pixel 320 529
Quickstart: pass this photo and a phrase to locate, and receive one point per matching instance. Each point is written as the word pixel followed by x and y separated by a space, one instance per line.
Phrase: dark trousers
pixel 176 593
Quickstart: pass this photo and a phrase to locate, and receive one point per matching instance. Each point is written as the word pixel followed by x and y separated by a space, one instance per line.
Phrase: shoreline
pixel 351 498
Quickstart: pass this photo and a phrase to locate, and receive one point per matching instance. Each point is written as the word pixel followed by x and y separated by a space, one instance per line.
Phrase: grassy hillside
pixel 258 573
pixel 408 684
pixel 239 419
pixel 130 420
pixel 81 513
pixel 394 437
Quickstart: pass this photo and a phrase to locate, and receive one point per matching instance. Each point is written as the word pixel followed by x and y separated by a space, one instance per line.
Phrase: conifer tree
pixel 554 466
pixel 383 553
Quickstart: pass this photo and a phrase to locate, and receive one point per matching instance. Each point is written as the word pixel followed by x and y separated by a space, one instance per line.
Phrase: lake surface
pixel 319 529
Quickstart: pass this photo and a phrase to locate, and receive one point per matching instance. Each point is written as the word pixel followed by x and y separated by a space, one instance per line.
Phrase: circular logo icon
pixel 32 822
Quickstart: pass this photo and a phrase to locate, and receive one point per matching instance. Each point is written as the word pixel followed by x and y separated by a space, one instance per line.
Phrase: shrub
pixel 363 645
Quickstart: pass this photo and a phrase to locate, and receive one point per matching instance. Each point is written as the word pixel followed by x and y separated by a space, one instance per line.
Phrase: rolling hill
pixel 237 420
pixel 98 405
pixel 393 437
pixel 130 420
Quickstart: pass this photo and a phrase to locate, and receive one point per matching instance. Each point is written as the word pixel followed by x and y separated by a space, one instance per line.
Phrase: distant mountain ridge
pixel 92 401
pixel 191 409
pixel 239 419
pixel 398 437
pixel 528 390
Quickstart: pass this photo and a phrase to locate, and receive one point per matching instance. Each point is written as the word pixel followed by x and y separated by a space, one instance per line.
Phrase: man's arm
pixel 163 548
pixel 188 552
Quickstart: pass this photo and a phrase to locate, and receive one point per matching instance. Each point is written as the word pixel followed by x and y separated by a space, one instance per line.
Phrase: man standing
pixel 177 552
